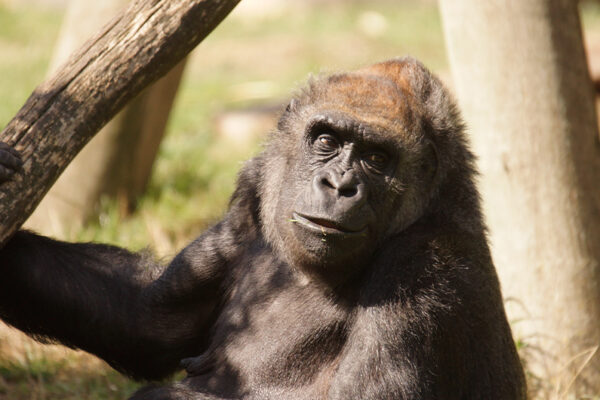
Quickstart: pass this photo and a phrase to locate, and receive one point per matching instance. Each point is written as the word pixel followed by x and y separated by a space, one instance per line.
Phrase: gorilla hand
pixel 10 162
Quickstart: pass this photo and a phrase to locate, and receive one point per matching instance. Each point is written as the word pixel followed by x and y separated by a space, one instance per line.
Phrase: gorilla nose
pixel 346 185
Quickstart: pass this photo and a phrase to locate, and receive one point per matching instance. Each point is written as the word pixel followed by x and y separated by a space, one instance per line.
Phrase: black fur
pixel 352 264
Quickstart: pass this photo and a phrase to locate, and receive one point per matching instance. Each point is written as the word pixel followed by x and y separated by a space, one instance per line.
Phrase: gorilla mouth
pixel 324 226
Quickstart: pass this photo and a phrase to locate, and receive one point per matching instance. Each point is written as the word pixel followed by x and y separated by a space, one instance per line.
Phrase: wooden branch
pixel 62 114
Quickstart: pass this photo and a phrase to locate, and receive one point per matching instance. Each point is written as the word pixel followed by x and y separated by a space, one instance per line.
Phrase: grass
pixel 25 54
pixel 72 376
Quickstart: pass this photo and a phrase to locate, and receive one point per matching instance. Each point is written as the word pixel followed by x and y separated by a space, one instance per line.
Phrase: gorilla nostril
pixel 341 186
pixel 325 182
pixel 348 192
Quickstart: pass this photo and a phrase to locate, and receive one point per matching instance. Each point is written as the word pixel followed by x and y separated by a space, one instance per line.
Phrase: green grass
pixel 68 378
pixel 590 14
pixel 26 40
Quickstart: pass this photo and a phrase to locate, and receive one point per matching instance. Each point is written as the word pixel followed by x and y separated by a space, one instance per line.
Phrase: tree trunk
pixel 118 160
pixel 521 77
pixel 136 48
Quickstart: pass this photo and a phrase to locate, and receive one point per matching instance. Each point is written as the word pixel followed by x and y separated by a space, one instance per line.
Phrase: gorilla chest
pixel 277 331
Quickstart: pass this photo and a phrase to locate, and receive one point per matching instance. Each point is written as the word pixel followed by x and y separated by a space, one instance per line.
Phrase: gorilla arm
pixel 111 302
pixel 140 317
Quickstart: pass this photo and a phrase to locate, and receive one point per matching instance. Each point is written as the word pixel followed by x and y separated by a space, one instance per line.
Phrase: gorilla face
pixel 361 171
pixel 335 212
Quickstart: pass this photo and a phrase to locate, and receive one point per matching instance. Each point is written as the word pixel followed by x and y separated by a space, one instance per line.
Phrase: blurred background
pixel 208 115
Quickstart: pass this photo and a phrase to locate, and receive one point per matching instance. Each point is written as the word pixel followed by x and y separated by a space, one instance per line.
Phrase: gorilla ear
pixel 290 108
pixel 292 105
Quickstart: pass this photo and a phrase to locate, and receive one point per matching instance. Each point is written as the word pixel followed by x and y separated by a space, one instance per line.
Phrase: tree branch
pixel 61 116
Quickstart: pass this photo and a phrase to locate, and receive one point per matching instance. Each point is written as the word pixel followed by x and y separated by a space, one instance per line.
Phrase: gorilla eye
pixel 376 161
pixel 327 143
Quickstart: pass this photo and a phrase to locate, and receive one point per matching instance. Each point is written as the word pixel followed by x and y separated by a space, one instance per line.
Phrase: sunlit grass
pixel 26 39
pixel 67 376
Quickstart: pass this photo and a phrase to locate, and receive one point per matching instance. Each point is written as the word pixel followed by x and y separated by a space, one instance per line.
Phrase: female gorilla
pixel 352 264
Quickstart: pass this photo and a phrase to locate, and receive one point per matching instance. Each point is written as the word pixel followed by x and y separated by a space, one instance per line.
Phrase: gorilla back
pixel 352 264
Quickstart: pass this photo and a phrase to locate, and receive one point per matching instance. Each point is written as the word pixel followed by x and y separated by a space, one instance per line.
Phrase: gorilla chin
pixel 329 243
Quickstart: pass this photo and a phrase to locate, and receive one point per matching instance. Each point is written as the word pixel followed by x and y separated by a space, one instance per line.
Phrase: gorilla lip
pixel 323 226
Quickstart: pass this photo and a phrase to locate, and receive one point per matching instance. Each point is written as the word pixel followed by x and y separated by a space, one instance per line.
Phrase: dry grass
pixel 33 371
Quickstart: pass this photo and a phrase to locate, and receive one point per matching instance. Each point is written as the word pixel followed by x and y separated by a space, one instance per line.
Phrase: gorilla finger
pixel 5 146
pixel 5 174
pixel 10 159
pixel 196 365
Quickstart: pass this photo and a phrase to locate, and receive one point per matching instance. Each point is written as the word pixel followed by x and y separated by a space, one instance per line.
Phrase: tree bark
pixel 521 77
pixel 118 161
pixel 132 51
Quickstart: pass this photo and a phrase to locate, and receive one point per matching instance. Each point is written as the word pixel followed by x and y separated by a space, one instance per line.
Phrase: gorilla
pixel 352 263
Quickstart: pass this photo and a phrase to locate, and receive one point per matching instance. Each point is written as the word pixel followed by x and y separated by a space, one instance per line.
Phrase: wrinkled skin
pixel 351 264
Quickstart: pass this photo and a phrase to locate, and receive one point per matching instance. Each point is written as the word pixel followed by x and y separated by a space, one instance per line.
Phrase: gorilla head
pixel 353 162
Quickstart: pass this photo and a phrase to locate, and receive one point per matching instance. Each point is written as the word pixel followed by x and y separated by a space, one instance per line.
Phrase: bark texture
pixel 521 77
pixel 118 161
pixel 136 48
